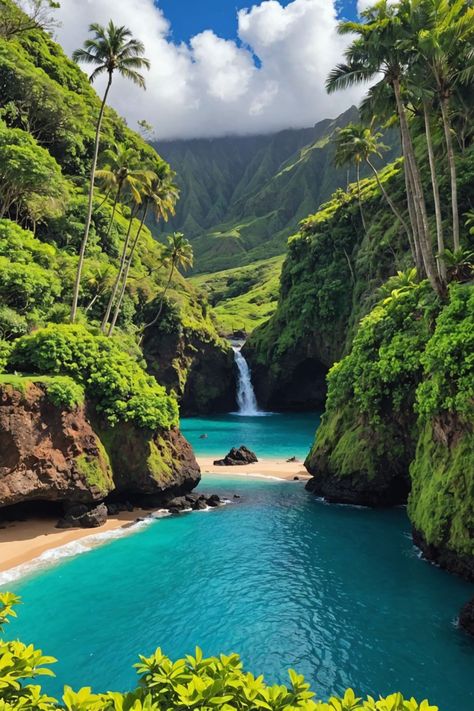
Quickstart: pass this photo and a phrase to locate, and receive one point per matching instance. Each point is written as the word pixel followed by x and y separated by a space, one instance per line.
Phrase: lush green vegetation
pixel 243 196
pixel 194 682
pixel 245 297
pixel 66 239
pixel 113 380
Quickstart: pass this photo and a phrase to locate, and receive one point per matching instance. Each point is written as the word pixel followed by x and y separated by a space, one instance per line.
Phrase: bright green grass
pixel 243 297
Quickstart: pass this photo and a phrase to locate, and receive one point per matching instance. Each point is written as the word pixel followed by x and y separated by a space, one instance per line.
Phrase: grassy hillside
pixel 48 111
pixel 242 298
pixel 244 196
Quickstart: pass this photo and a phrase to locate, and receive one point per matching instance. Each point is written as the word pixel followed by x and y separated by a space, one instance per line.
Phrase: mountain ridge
pixel 243 196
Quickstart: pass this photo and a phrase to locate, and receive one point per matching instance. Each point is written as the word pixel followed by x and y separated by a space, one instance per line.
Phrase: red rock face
pixel 48 453
pixel 45 450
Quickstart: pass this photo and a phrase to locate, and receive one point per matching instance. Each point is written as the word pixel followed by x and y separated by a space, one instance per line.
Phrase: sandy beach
pixel 24 541
pixel 270 468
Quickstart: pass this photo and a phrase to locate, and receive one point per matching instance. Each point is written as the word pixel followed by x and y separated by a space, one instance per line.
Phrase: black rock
pixel 237 456
pixel 237 496
pixel 84 517
pixel 213 500
pixel 203 436
pixel 174 510
pixel 179 502
pixel 292 459
pixel 466 618
pixel 296 478
pixel 200 505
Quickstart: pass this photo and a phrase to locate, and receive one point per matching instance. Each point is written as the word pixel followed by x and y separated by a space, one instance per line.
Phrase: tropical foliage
pixel 194 682
pixel 420 53
pixel 112 379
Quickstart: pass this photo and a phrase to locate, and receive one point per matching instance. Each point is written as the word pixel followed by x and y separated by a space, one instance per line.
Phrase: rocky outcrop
pixel 54 454
pixel 83 516
pixel 352 464
pixel 296 381
pixel 196 366
pixel 48 453
pixel 466 617
pixel 237 456
pixel 150 468
pixel 441 501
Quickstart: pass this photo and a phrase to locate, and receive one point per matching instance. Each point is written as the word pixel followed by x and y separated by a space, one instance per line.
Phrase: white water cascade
pixel 246 400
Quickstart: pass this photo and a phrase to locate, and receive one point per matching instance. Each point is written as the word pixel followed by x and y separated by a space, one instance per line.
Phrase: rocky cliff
pixel 194 363
pixel 53 453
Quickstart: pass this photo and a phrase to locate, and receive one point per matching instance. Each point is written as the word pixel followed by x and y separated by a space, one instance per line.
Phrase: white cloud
pixel 272 78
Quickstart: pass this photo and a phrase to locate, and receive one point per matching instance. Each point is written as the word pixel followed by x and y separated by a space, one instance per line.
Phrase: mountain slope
pixel 243 196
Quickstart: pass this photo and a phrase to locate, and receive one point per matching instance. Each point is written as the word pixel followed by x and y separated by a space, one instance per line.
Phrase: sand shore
pixel 24 541
pixel 270 468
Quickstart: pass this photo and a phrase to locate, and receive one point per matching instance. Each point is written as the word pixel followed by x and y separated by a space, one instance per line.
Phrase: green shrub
pixel 190 683
pixel 5 350
pixel 65 392
pixel 112 379
pixel 12 324
pixel 385 363
pixel 448 361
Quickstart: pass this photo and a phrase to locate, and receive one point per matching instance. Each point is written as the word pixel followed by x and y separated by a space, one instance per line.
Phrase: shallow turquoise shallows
pixel 338 593
pixel 273 435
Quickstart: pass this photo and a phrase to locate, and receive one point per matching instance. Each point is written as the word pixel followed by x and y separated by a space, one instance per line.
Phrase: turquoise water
pixel 336 592
pixel 275 435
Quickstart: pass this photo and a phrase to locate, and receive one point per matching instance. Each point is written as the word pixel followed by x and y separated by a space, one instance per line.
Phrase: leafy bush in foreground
pixel 190 683
pixel 112 379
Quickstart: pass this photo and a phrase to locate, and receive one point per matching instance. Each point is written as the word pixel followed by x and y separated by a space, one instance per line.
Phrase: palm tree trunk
pixel 114 208
pixel 110 304
pixel 415 247
pixel 421 215
pixel 126 272
pixel 452 168
pixel 436 198
pixel 85 239
pixel 390 202
pixel 162 300
pixel 360 199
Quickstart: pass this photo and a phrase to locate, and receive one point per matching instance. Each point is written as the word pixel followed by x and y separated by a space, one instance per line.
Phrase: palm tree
pixel 110 49
pixel 376 50
pixel 137 191
pixel 179 254
pixel 118 173
pixel 442 29
pixel 349 150
pixel 160 194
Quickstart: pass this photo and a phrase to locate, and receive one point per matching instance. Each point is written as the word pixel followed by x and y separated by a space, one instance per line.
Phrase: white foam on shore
pixel 74 548
pixel 86 544
pixel 251 475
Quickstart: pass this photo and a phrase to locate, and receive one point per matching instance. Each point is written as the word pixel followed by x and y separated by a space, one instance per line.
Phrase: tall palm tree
pixel 110 49
pixel 160 195
pixel 350 151
pixel 359 143
pixel 179 254
pixel 374 51
pixel 442 29
pixel 120 171
pixel 136 193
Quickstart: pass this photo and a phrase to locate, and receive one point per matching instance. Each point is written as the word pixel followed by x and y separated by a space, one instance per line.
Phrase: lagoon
pixel 337 592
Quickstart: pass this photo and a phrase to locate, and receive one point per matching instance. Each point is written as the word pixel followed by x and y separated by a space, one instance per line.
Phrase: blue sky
pixel 189 17
pixel 257 73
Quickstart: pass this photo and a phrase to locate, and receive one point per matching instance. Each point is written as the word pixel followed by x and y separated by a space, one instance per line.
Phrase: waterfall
pixel 246 400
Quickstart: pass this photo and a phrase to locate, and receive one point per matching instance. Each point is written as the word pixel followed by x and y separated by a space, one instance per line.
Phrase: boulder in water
pixel 237 456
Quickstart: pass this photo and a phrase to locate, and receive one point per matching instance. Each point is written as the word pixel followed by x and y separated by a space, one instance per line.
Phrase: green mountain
pixel 243 196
